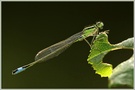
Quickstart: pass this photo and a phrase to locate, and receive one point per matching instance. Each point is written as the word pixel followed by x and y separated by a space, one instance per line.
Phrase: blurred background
pixel 28 27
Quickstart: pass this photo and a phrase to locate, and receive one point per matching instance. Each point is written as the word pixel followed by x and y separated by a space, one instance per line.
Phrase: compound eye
pixel 100 25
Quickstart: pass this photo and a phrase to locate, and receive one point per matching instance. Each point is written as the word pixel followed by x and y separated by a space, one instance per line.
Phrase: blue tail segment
pixel 20 69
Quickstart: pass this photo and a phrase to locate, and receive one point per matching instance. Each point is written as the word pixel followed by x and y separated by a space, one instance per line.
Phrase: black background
pixel 28 27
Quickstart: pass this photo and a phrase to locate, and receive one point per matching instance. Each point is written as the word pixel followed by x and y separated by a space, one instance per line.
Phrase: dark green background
pixel 28 27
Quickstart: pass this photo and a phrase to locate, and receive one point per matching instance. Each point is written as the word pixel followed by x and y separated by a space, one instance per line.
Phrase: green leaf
pixel 100 48
pixel 123 74
pixel 126 44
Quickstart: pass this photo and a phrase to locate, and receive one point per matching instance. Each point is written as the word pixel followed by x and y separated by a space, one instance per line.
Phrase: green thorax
pixel 91 30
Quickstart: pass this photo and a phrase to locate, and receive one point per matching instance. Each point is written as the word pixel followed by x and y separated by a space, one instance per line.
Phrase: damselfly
pixel 58 48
